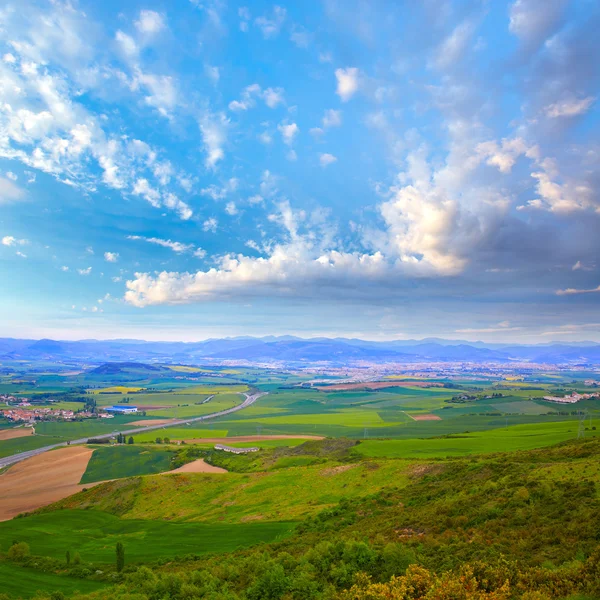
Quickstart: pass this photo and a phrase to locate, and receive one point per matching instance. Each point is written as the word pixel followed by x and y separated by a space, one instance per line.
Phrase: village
pixel 21 410
pixel 571 398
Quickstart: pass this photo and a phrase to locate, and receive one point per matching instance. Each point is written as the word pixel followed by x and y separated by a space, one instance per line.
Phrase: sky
pixel 379 169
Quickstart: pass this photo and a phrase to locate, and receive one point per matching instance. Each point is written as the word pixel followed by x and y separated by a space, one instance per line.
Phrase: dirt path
pixel 197 466
pixel 42 479
pixel 252 438
pixel 17 432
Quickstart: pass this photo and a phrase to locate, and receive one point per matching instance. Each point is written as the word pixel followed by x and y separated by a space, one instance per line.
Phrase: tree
pixel 158 440
pixel 167 440
pixel 76 558
pixel 18 551
pixel 120 557
pixel 68 557
pixel 130 441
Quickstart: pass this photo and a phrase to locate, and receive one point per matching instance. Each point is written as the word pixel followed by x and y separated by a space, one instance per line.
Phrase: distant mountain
pixel 290 349
pixel 124 367
pixel 315 351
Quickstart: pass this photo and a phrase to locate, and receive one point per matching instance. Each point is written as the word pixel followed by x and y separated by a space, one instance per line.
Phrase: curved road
pixel 15 458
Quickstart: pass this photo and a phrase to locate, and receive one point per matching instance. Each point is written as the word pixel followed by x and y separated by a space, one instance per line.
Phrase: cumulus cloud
pixel 150 22
pixel 271 96
pixel 9 240
pixel 288 131
pixel 85 271
pixel 347 82
pixel 111 257
pixel 210 224
pixel 327 159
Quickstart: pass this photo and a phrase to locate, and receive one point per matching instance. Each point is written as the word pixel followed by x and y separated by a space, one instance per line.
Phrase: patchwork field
pixel 15 432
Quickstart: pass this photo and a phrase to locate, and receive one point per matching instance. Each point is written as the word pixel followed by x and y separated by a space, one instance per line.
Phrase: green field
pixel 21 582
pixel 94 534
pixel 114 462
pixel 517 437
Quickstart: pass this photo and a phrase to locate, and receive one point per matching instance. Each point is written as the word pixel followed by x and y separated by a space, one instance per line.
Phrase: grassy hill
pixel 500 526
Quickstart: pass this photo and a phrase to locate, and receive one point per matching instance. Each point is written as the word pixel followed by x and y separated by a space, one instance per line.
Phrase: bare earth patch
pixel 425 417
pixel 253 438
pixel 148 422
pixel 337 470
pixel 197 466
pixel 17 432
pixel 42 480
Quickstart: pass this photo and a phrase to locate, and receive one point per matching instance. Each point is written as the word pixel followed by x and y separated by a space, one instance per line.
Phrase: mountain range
pixel 294 350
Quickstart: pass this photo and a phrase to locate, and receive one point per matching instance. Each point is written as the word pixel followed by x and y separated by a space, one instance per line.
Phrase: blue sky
pixel 193 169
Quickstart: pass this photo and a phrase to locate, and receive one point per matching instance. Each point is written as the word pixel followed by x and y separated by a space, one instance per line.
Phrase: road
pixel 15 458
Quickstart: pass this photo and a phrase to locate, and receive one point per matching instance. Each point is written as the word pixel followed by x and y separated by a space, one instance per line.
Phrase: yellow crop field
pixel 123 389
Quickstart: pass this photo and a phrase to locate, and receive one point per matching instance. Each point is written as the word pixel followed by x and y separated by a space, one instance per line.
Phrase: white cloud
pixel 150 22
pixel 199 253
pixel 534 20
pixel 214 136
pixel 327 159
pixel 288 131
pixel 143 188
pixel 347 82
pixel 571 107
pixel 454 46
pixel 9 240
pixel 111 257
pixel 574 291
pixel 85 271
pixel 210 225
pixel 271 96
pixel 219 193
pixel 11 176
pixel 174 203
pixel 332 118
pixel 177 247
pixel 64 268
pixel 19 253
pixel 244 15
pixel 9 191
pixel 127 44
pixel 300 37
pixel 505 155
pixel 271 26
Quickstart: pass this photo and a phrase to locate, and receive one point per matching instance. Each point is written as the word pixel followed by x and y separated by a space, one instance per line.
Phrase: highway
pixel 15 458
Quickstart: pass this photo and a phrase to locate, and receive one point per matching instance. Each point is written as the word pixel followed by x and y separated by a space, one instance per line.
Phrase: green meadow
pixel 23 582
pixel 114 462
pixel 507 439
pixel 94 535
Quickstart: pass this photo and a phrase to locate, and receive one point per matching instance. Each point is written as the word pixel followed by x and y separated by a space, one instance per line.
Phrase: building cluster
pixel 571 398
pixel 36 414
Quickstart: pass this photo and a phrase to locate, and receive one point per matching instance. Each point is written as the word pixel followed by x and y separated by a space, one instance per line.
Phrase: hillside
pixel 518 525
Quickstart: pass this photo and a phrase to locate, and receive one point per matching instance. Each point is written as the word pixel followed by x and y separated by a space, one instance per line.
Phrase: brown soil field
pixel 150 422
pixel 42 479
pixel 17 432
pixel 197 466
pixel 253 438
pixel 425 417
pixel 376 385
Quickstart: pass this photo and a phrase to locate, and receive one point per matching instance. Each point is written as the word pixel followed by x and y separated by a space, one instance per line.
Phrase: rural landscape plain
pixel 300 300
